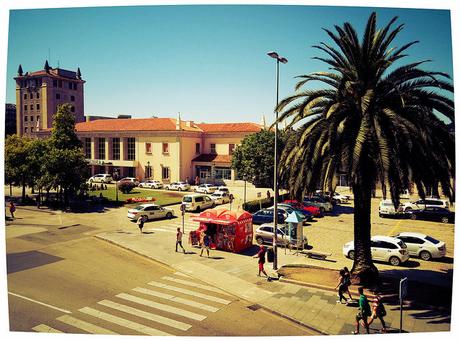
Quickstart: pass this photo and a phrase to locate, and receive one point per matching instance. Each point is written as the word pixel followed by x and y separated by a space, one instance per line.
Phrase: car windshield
pixel 187 199
pixel 139 208
pixel 431 239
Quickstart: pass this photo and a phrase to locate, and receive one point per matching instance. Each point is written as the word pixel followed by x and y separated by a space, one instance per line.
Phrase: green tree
pixel 375 121
pixel 16 165
pixel 254 158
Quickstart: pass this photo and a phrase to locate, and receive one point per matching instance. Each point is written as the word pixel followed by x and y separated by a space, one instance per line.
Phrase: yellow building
pixel 163 149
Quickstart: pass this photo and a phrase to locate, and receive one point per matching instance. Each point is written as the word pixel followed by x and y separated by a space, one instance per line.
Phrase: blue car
pixel 289 208
pixel 266 216
pixel 431 213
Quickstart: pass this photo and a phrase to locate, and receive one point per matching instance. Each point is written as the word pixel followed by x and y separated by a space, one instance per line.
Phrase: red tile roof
pixel 230 127
pixel 213 158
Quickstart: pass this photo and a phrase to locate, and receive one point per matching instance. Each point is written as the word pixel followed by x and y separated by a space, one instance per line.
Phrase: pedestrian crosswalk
pixel 171 305
pixel 171 227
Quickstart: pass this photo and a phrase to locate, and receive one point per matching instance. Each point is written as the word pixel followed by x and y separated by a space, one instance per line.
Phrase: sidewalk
pixel 236 274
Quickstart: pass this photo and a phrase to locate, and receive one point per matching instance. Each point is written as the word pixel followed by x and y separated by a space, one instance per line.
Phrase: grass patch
pixel 162 197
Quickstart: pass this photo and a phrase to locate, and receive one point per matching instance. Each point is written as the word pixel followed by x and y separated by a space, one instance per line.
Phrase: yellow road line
pixel 393 230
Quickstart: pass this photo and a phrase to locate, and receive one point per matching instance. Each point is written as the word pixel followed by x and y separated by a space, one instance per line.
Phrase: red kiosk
pixel 229 230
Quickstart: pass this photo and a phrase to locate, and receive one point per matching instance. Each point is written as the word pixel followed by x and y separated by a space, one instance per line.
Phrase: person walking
pixel 341 286
pixel 378 311
pixel 12 209
pixel 179 239
pixel 261 256
pixel 364 311
pixel 140 222
pixel 347 282
pixel 206 242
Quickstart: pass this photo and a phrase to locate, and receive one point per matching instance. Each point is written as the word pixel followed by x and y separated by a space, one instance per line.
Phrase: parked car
pixel 151 184
pixel 314 210
pixel 135 181
pixel 387 209
pixel 266 216
pixel 220 197
pixel 386 249
pixel 178 186
pixel 102 178
pixel 423 246
pixel 287 209
pixel 322 204
pixel 223 189
pixel 337 197
pixel 197 202
pixel 150 211
pixel 431 213
pixel 264 234
pixel 205 188
pixel 424 203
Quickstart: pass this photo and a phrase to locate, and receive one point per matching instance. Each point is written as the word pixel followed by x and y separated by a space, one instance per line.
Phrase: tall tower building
pixel 39 93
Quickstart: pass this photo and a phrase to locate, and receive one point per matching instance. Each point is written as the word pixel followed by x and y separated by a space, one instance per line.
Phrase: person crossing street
pixel 179 235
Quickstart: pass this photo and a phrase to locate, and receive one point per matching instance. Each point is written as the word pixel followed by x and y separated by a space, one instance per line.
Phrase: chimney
pixel 20 70
pixel 190 124
pixel 178 122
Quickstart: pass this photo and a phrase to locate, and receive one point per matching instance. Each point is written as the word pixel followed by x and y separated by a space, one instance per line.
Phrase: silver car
pixel 423 246
pixel 220 198
pixel 150 211
pixel 264 234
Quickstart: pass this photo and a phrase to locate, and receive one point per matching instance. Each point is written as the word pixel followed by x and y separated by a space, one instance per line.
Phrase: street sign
pixel 182 207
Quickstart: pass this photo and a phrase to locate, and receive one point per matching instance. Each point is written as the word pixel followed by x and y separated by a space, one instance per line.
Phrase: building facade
pixel 39 93
pixel 163 149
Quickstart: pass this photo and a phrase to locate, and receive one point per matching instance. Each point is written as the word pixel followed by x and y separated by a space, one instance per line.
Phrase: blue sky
pixel 207 62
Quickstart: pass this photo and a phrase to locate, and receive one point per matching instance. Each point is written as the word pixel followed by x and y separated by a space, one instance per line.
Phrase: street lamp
pixel 116 184
pixel 283 60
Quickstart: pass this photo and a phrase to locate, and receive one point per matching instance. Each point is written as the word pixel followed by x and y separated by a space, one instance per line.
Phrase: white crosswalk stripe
pixel 83 325
pixel 149 316
pixel 182 274
pixel 123 322
pixel 176 299
pixel 43 328
pixel 189 292
pixel 164 307
pixel 193 284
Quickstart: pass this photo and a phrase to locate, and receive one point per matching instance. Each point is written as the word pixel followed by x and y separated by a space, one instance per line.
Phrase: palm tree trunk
pixel 364 271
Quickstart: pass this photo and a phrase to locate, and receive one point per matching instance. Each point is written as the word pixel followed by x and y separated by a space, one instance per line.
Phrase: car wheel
pixel 169 215
pixel 413 216
pixel 259 240
pixel 213 205
pixel 351 254
pixel 445 220
pixel 425 255
pixel 395 261
pixel 380 215
pixel 198 208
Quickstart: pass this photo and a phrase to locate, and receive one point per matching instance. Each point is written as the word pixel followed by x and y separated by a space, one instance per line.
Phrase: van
pixel 197 202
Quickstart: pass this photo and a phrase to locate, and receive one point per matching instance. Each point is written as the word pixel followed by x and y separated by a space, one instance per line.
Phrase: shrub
pixel 126 186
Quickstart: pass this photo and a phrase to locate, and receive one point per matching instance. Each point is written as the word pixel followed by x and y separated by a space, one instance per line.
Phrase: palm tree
pixel 374 121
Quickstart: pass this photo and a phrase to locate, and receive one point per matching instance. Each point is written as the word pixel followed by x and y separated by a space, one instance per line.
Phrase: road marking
pixel 152 317
pixel 43 328
pixel 122 322
pixel 190 292
pixel 192 284
pixel 163 307
pixel 181 274
pixel 86 326
pixel 38 302
pixel 177 299
pixel 393 230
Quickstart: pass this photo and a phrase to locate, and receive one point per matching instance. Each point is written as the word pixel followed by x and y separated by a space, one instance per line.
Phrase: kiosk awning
pixel 213 221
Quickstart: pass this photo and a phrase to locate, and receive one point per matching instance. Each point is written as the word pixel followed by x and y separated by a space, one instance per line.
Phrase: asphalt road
pixel 62 279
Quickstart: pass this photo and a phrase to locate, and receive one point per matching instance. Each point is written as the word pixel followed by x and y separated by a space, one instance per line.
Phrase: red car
pixel 315 211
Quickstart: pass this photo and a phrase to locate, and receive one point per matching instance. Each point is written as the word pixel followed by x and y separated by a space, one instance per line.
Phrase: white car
pixel 385 249
pixel 102 178
pixel 323 205
pixel 135 181
pixel 150 211
pixel 264 234
pixel 223 189
pixel 424 203
pixel 151 184
pixel 387 208
pixel 220 198
pixel 178 186
pixel 423 246
pixel 197 202
pixel 339 198
pixel 205 188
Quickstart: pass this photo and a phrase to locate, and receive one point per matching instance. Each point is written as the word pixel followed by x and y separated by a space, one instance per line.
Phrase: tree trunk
pixel 23 192
pixel 364 271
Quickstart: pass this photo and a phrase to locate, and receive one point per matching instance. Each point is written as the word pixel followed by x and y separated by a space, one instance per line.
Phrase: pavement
pixel 308 305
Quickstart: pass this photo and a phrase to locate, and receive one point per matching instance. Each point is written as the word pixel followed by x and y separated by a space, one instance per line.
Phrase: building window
pixel 37 95
pixel 70 85
pixel 131 148
pixel 231 148
pixel 165 173
pixel 38 106
pixel 101 148
pixel 31 107
pixel 25 96
pixel 31 118
pixel 54 83
pixel 148 148
pixel 26 130
pixel 213 148
pixel 26 118
pixel 116 148
pixel 25 107
pixel 58 96
pixel 32 129
pixel 38 118
pixel 60 83
pixel 223 173
pixel 165 148
pixel 88 147
pixel 31 96
pixel 72 109
pixel 72 98
pixel 75 86
pixel 197 148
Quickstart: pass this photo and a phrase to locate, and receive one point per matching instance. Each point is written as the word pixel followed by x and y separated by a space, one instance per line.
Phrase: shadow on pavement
pixel 28 260
pixel 339 209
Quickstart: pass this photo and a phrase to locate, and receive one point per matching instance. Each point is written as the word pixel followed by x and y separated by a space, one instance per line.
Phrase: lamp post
pixel 283 60
pixel 116 184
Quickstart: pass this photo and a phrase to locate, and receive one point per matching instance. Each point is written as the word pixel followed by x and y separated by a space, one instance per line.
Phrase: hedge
pixel 254 205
